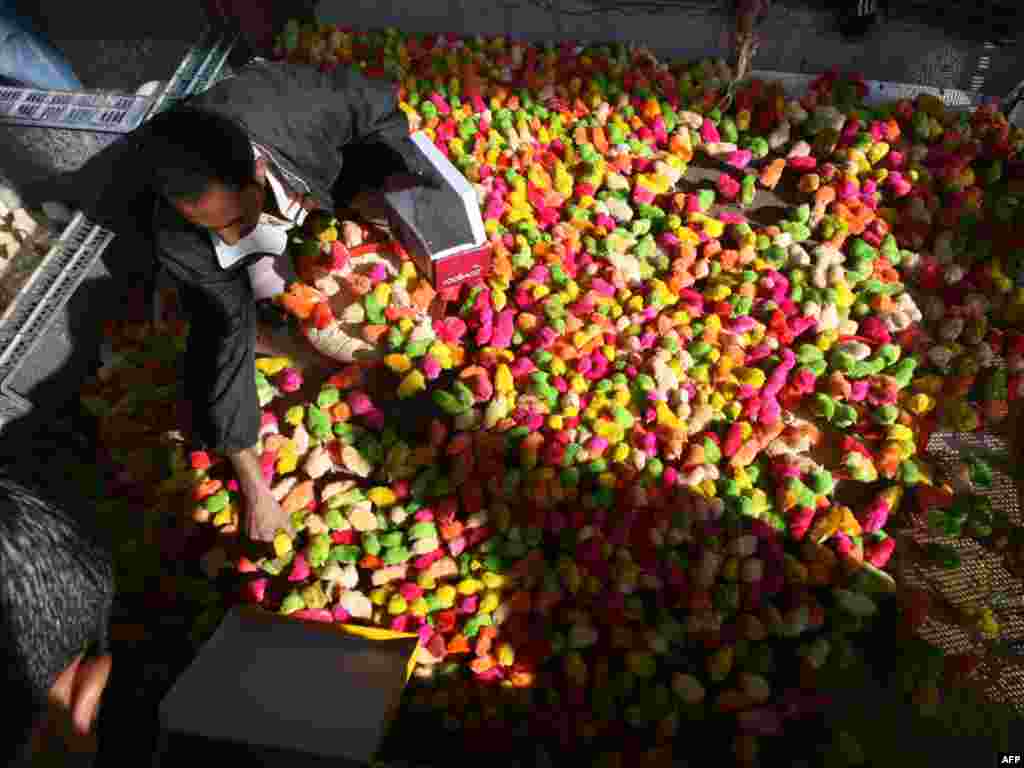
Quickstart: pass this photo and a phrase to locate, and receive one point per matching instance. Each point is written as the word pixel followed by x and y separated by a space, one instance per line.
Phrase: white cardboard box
pixel 441 228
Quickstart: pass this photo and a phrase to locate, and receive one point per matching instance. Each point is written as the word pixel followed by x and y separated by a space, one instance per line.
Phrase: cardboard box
pixel 267 687
pixel 441 228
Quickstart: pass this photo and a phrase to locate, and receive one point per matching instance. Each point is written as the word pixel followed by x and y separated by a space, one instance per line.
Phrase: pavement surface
pixel 144 42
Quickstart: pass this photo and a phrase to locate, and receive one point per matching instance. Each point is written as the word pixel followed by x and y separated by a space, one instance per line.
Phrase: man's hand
pixel 264 516
pixel 298 200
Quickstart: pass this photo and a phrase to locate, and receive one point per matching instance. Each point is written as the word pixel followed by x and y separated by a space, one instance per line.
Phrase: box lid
pixel 443 220
pixel 275 682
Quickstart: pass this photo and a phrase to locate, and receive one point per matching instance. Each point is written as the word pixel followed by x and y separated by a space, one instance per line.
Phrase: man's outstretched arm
pixel 220 384
pixel 264 516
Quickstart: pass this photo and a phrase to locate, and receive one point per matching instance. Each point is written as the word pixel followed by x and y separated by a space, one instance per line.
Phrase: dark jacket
pixel 336 132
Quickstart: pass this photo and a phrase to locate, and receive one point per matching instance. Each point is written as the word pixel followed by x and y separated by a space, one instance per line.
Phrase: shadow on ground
pixel 117 286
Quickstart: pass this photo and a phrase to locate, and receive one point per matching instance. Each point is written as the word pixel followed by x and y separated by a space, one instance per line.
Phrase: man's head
pixel 203 164
pixel 56 593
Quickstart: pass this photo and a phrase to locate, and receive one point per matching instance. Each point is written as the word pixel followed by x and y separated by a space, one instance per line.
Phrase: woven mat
pixel 983 579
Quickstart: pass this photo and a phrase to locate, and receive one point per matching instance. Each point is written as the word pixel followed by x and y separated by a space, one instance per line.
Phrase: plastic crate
pixel 878 91
pixel 83 111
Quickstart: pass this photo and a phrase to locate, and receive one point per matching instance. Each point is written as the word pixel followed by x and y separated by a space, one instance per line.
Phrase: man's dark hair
pixel 56 595
pixel 186 149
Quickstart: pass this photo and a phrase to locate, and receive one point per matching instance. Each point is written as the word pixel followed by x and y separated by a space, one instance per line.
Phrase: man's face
pixel 231 215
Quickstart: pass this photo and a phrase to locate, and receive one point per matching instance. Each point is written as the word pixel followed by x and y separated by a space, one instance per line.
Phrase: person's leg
pixel 27 58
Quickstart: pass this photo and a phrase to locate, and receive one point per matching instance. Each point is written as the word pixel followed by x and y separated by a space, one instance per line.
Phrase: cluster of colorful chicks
pixel 669 439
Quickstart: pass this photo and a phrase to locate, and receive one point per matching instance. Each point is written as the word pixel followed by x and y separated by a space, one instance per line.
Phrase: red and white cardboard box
pixel 441 228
